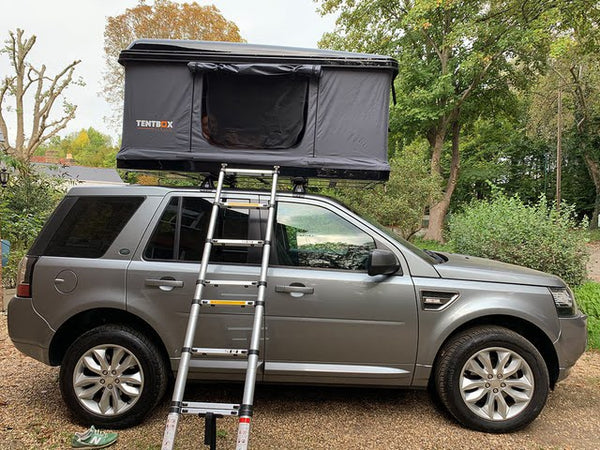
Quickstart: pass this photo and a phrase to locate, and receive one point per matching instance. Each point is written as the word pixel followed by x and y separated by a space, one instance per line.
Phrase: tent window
pixel 252 111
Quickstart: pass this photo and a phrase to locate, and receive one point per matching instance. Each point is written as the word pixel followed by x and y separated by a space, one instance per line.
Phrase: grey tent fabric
pixel 192 105
pixel 257 69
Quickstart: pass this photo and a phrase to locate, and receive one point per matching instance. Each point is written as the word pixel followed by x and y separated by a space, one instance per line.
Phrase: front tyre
pixel 492 379
pixel 112 376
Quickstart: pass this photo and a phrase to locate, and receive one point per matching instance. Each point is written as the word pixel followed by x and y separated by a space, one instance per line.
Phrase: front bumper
pixel 29 332
pixel 571 343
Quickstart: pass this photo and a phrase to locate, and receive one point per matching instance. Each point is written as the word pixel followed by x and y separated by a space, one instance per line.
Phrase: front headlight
pixel 564 301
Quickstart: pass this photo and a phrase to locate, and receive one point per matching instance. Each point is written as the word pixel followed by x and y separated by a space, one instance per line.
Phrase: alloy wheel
pixel 108 380
pixel 496 383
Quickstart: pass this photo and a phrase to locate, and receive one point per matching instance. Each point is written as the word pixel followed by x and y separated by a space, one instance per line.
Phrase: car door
pixel 161 280
pixel 327 320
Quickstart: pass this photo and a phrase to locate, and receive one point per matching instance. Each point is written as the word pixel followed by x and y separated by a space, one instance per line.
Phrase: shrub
pixel 10 272
pixel 588 300
pixel 399 204
pixel 25 204
pixel 535 236
pixel 433 245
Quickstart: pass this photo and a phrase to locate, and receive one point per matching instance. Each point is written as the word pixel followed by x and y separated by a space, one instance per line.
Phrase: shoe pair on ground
pixel 93 438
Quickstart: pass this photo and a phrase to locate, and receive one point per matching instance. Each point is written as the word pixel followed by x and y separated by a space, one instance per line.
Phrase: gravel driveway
pixel 32 415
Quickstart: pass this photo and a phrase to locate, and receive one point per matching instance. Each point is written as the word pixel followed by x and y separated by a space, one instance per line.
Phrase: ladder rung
pixel 255 172
pixel 242 205
pixel 230 283
pixel 241 303
pixel 225 409
pixel 238 242
pixel 219 352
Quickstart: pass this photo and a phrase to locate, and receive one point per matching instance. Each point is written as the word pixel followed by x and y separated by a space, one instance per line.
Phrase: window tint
pixel 91 225
pixel 311 236
pixel 161 244
pixel 181 232
pixel 245 111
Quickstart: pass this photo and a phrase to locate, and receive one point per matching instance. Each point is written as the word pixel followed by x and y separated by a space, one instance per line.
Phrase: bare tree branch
pixel 7 82
pixel 47 89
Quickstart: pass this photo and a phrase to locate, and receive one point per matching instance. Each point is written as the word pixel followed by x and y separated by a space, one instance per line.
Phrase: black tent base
pixel 213 169
pixel 207 181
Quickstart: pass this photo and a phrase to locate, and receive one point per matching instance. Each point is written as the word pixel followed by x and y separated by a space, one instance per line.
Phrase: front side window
pixel 312 236
pixel 181 232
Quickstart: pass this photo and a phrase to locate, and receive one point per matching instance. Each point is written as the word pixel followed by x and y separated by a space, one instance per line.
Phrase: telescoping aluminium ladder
pixel 211 411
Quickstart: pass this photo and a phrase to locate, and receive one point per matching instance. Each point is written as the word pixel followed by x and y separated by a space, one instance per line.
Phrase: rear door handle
pixel 165 284
pixel 295 289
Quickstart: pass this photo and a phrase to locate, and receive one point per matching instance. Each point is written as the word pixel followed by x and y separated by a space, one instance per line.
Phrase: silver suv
pixel 106 289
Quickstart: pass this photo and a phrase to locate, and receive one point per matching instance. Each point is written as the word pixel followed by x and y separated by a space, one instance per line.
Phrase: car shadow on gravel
pixel 294 399
pixel 306 396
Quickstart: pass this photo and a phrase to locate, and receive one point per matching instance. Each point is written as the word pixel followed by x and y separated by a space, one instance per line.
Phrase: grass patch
pixel 594 235
pixel 588 299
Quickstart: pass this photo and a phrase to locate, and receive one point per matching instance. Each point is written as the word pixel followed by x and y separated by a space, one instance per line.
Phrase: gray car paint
pixel 463 267
pixel 347 329
pixel 118 280
pixel 166 310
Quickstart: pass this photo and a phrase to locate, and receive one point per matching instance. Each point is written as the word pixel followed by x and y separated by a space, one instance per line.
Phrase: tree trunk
pixel 594 170
pixel 438 211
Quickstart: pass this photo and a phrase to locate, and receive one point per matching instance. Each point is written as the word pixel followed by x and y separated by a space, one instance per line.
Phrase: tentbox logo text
pixel 154 124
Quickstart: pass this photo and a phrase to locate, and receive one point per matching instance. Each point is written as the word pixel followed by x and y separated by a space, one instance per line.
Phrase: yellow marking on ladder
pixel 227 302
pixel 243 205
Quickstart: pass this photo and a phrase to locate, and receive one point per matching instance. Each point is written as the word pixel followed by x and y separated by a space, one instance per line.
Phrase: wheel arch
pixel 84 321
pixel 526 329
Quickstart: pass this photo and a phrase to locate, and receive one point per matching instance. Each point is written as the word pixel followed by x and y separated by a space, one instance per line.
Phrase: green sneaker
pixel 93 438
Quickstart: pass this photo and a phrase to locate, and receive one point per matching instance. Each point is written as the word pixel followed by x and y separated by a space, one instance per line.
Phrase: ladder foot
pixel 210 430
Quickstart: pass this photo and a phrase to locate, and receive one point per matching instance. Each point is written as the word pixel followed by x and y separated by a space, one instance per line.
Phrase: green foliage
pixel 536 236
pixel 399 204
pixel 433 245
pixel 574 77
pixel 25 204
pixel 462 67
pixel 588 299
pixel 593 235
pixel 458 61
pixel 497 149
pixel 10 272
pixel 87 148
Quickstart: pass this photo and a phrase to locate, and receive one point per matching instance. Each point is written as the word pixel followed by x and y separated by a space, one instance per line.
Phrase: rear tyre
pixel 492 379
pixel 112 377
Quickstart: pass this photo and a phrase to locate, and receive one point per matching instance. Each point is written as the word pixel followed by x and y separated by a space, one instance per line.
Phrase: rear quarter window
pixel 85 227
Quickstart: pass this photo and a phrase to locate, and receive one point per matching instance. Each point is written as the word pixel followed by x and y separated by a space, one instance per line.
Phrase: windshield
pixel 430 257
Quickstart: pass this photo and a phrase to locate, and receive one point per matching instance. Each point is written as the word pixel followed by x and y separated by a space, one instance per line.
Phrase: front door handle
pixel 291 289
pixel 164 284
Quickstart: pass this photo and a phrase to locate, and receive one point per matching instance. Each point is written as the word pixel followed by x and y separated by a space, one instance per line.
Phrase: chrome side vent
pixel 435 300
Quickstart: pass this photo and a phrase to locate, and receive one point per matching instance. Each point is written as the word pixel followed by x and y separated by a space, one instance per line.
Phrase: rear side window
pixel 181 233
pixel 89 226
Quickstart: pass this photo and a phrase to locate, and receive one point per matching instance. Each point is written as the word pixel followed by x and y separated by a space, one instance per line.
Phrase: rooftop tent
pixel 192 105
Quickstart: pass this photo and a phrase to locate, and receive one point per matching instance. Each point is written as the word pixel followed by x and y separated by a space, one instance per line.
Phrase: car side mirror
pixel 382 262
